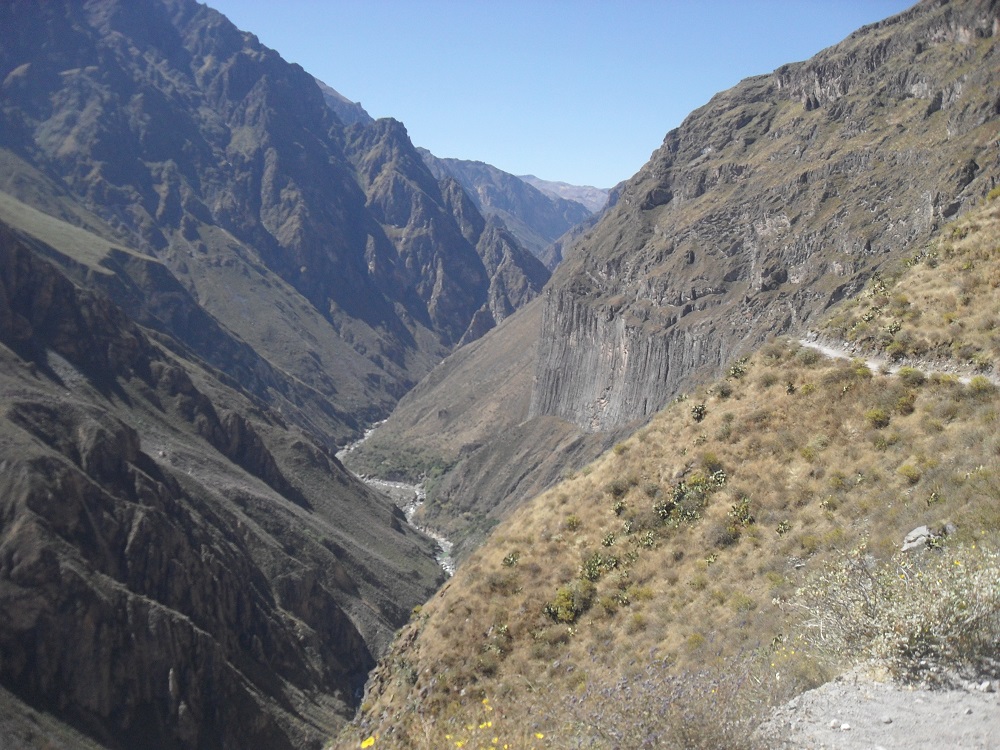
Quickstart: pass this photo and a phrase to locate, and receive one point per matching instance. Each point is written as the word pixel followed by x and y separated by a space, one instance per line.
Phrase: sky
pixel 579 91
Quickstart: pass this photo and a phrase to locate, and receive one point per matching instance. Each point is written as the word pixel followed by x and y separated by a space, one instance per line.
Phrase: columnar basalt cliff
pixel 775 199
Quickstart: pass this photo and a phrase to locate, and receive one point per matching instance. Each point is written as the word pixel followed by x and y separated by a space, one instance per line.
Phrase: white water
pixel 408 498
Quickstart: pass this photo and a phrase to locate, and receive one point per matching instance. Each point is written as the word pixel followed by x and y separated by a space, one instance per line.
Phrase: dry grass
pixel 943 304
pixel 679 557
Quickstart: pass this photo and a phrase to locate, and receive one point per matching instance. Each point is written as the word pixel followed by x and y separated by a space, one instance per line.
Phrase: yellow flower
pixel 369 742
pixel 539 735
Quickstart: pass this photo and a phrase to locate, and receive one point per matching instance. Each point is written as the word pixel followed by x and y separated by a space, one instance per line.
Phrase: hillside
pixel 669 591
pixel 194 144
pixel 778 198
pixel 169 539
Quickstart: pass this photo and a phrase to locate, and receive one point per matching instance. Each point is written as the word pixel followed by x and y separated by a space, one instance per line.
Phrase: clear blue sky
pixel 581 91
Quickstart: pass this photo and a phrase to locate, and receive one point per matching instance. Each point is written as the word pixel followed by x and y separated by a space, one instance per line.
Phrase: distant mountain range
pixel 536 217
pixel 593 198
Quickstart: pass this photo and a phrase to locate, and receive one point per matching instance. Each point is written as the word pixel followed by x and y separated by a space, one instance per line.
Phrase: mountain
pixel 593 198
pixel 775 200
pixel 209 281
pixel 536 218
pixel 201 147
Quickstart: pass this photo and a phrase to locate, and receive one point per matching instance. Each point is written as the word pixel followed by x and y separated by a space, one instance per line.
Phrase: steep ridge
pixel 449 258
pixel 537 219
pixel 179 567
pixel 775 199
pixel 593 198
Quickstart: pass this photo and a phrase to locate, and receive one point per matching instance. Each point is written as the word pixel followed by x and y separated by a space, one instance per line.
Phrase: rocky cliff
pixel 775 199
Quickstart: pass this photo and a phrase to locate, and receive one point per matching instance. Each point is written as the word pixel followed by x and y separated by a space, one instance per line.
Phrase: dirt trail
pixel 858 712
pixel 838 350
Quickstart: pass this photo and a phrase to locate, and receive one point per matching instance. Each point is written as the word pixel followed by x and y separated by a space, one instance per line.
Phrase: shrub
pixel 911 376
pixel 699 412
pixel 808 356
pixel 930 617
pixel 981 386
pixel 571 601
pixel 617 488
pixel 877 418
pixel 910 473
pixel 739 368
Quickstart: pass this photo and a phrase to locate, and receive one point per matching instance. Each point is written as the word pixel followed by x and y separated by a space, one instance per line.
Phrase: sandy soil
pixel 859 712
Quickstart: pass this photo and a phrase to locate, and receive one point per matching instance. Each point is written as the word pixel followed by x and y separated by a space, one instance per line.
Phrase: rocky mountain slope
pixel 179 565
pixel 536 218
pixel 199 146
pixel 779 197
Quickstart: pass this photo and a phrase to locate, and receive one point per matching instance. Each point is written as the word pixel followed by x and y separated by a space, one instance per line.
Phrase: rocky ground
pixel 857 711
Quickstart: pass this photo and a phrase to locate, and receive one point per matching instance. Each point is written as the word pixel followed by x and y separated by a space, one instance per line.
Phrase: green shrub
pixel 571 601
pixel 911 376
pixel 877 418
pixel 910 473
pixel 981 386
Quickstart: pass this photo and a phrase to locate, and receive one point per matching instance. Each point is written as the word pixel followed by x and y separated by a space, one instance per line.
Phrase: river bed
pixel 408 498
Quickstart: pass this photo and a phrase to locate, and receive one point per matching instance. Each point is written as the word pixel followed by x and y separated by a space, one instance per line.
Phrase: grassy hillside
pixel 941 305
pixel 696 560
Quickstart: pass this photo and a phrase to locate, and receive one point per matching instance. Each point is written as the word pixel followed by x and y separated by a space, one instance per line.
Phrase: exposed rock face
pixel 535 217
pixel 777 198
pixel 175 574
pixel 347 112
